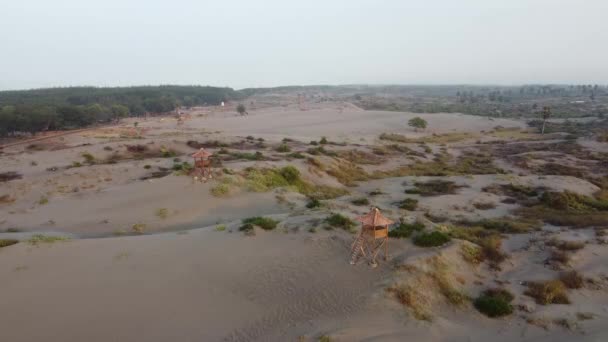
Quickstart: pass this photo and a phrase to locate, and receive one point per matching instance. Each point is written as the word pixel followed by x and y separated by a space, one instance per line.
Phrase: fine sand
pixel 159 259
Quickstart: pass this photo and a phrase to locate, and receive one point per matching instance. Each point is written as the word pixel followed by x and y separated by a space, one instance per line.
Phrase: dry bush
pixel 559 256
pixel 548 292
pixel 484 205
pixel 566 245
pixel 572 279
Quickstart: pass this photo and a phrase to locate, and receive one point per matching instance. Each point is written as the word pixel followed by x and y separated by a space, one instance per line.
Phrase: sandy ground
pixel 183 280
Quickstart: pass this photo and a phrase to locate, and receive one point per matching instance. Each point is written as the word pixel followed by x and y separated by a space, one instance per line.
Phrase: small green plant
pixel 313 203
pixel 162 213
pixel 314 143
pixel 147 166
pixel 548 292
pixel 408 204
pixel 76 164
pixel 43 200
pixel 40 238
pixel 360 201
pixel 432 239
pixel 323 141
pixel 88 158
pixel 405 230
pixel 336 220
pixel 283 148
pixel 265 223
pixel 220 228
pixel 8 242
pixel 296 155
pixel 138 228
pixel 494 303
pixel 221 190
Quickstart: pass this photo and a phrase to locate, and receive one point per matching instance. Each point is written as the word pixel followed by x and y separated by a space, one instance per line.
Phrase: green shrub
pixel 313 203
pixel 314 143
pixel 548 292
pixel 339 221
pixel 147 166
pixel 360 201
pixel 88 158
pixel 290 173
pixel 262 222
pixel 220 228
pixel 283 148
pixel 432 239
pixel 247 227
pixel 8 242
pixel 408 204
pixel 494 303
pixel 405 230
pixel 39 238
pixel 296 155
pixel 323 141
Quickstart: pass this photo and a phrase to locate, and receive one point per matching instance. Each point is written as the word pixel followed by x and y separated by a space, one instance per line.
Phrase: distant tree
pixel 546 114
pixel 119 112
pixel 417 122
pixel 241 109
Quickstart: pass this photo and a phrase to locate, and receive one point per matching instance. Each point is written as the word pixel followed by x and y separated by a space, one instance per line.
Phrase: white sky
pixel 241 43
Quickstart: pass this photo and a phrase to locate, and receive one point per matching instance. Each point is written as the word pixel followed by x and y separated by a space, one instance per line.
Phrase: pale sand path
pixel 200 286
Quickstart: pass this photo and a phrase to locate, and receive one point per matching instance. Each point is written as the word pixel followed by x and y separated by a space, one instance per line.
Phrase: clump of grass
pixel 283 148
pixel 313 203
pixel 336 220
pixel 138 228
pixel 572 279
pixel 559 256
pixel 566 245
pixel 220 228
pixel 40 238
pixel 347 173
pixel 323 141
pixel 408 204
pixel 360 201
pixel 221 190
pixel 484 205
pixel 431 239
pixel 548 292
pixel 494 303
pixel 296 155
pixel 248 156
pixel 472 253
pixel 434 188
pixel 7 242
pixel 162 213
pixel 147 166
pixel 505 225
pixel 13 230
pixel 376 192
pixel 316 151
pixel 88 158
pixel 43 200
pixel 265 223
pixel 405 230
pixel 409 296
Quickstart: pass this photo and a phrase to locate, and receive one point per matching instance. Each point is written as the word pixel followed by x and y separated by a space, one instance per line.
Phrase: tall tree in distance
pixel 546 114
pixel 417 122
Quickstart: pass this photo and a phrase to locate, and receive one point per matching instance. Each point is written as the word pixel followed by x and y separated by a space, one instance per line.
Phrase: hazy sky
pixel 248 43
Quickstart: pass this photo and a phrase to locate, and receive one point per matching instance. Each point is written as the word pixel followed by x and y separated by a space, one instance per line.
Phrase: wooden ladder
pixel 357 249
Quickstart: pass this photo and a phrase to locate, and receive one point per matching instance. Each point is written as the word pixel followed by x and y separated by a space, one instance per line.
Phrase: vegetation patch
pixel 472 253
pixel 9 176
pixel 7 242
pixel 347 173
pixel 265 223
pixel 360 201
pixel 505 225
pixel 431 239
pixel 283 148
pixel 405 230
pixel 494 303
pixel 566 245
pixel 572 279
pixel 434 188
pixel 548 292
pixel 38 239
pixel 162 213
pixel 361 157
pixel 336 220
pixel 408 204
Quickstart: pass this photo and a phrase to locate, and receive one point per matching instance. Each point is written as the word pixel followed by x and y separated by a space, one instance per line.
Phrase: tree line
pixel 32 111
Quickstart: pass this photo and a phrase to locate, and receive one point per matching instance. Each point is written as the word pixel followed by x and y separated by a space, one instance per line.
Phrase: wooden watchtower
pixel 202 165
pixel 372 237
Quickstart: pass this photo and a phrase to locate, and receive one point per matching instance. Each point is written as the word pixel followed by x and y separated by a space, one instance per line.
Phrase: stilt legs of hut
pixel 365 246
